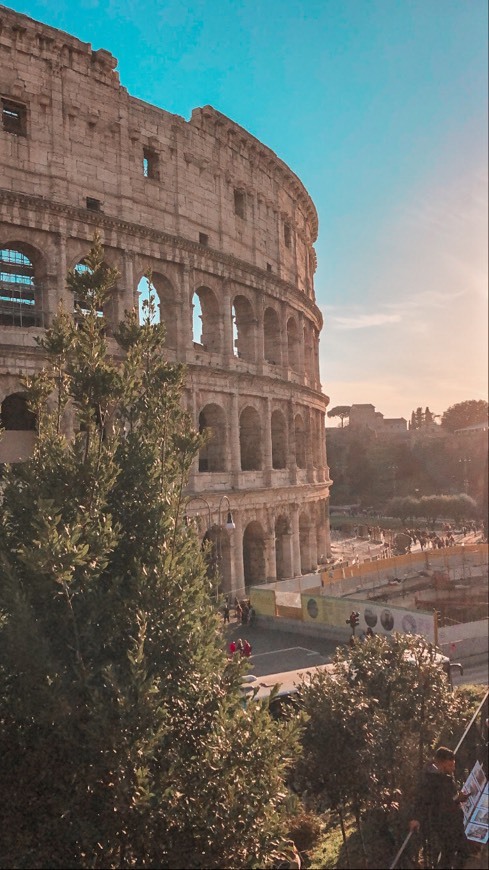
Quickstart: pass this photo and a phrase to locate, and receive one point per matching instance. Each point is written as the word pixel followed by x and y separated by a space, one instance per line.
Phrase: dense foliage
pixel 122 733
pixel 370 728
pixel 465 414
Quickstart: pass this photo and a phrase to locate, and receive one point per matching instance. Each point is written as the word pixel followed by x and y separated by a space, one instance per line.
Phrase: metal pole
pixel 401 850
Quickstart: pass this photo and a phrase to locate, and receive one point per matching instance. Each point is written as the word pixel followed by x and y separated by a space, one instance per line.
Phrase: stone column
pixel 291 457
pixel 227 314
pixel 296 545
pixel 234 439
pixel 237 567
pixel 185 343
pixel 267 442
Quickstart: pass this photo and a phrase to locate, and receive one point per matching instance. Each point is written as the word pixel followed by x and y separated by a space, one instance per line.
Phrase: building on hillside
pixel 227 231
pixel 366 417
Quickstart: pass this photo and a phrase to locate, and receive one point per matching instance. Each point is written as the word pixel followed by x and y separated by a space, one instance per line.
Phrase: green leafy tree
pixel 341 411
pixel 370 728
pixel 123 737
pixel 465 414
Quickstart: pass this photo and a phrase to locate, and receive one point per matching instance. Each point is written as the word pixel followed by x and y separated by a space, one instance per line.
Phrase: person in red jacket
pixel 246 649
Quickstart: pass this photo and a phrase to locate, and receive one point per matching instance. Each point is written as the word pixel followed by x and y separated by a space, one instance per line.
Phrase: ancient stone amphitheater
pixel 227 231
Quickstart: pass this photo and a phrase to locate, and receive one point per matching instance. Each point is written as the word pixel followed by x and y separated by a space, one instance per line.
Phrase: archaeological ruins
pixel 227 231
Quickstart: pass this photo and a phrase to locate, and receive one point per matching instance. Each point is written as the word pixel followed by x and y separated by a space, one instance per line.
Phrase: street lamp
pixel 229 525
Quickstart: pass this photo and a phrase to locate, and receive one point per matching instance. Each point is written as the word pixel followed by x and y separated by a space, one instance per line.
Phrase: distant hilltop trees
pixel 420 419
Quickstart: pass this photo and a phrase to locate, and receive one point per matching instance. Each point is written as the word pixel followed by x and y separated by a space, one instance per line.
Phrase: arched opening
pixel 145 290
pixel 282 548
pixel 19 293
pixel 168 308
pixel 15 416
pixel 206 320
pixel 279 440
pixel 300 442
pixel 293 344
pixel 250 440
pixel 243 328
pixel 213 422
pixel 19 423
pixel 271 330
pixel 79 303
pixel 254 554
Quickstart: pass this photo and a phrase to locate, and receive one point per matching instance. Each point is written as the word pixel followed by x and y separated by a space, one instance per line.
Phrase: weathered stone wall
pixel 221 222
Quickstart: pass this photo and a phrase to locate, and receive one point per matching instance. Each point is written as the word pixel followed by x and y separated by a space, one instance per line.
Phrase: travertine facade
pixel 227 231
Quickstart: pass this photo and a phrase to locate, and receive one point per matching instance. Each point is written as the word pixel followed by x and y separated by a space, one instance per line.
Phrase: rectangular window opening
pixel 150 164
pixel 269 267
pixel 14 118
pixel 93 204
pixel 203 239
pixel 239 203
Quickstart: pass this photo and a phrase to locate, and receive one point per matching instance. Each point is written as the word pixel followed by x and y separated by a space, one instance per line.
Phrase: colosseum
pixel 227 231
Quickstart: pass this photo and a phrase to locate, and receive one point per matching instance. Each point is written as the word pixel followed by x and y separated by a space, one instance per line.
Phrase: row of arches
pixel 264 442
pixel 268 553
pixel 274 333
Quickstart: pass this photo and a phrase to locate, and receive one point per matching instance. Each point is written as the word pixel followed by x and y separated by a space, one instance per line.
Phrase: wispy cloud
pixel 363 321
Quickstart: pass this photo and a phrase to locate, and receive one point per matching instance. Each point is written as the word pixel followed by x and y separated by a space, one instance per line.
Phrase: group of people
pixel 243 611
pixel 243 647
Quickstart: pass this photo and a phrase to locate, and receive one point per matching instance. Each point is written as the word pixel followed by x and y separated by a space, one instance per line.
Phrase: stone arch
pixel 283 559
pixel 168 308
pixel 212 455
pixel 205 307
pixel 15 414
pixel 300 441
pixel 250 439
pixel 81 268
pixel 20 425
pixel 244 328
pixel 21 295
pixel 293 344
pixel 279 440
pixel 254 554
pixel 272 337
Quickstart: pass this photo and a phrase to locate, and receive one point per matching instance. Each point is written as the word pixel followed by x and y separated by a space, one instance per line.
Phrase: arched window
pixel 206 309
pixel 271 329
pixel 15 414
pixel 300 442
pixel 18 440
pixel 250 440
pixel 212 455
pixel 79 304
pixel 254 554
pixel 279 440
pixel 282 548
pixel 19 298
pixel 166 306
pixel 145 289
pixel 243 328
pixel 293 344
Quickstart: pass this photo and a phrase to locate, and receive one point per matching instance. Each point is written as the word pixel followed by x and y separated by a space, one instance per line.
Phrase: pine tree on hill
pixel 124 741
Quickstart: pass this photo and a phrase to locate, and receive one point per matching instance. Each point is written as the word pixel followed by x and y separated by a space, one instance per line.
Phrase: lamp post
pixel 229 525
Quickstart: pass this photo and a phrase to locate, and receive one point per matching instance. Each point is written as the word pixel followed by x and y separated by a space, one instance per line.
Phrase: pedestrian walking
pixel 438 812
pixel 225 612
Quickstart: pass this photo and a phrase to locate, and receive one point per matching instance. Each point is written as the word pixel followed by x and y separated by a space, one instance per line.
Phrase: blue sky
pixel 380 107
